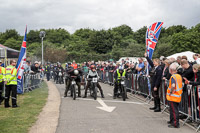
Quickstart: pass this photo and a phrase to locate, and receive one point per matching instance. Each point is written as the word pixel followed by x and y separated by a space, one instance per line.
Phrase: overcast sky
pixel 96 14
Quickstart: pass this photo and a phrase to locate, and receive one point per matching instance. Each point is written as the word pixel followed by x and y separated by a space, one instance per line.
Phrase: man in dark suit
pixel 156 80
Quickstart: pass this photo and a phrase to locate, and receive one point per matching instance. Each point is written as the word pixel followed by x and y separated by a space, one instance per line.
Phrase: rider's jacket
pixel 92 74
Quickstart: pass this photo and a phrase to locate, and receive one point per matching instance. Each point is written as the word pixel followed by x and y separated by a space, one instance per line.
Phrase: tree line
pixel 89 44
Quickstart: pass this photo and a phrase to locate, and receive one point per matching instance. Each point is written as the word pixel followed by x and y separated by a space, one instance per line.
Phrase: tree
pixel 12 43
pixel 12 33
pixel 101 41
pixel 33 36
pixel 186 42
pixel 84 34
pixel 123 31
pixel 57 36
pixel 139 35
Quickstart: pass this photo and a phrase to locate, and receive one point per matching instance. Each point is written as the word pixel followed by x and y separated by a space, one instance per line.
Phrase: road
pixel 108 115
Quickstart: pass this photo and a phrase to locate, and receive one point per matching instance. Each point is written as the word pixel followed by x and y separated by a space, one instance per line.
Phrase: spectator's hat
pixel 0 61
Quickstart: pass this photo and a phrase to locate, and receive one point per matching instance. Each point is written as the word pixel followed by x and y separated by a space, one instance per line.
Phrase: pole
pixel 42 50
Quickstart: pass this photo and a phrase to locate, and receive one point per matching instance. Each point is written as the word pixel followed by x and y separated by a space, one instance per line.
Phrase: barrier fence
pixel 140 85
pixel 31 81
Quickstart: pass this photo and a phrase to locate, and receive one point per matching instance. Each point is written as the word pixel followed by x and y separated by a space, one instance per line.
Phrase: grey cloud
pixel 97 14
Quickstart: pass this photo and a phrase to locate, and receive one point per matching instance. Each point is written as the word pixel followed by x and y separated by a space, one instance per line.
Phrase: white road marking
pixel 104 106
pixel 110 94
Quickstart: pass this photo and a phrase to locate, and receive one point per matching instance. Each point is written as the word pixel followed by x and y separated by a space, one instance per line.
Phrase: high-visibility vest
pixel 46 68
pixel 119 74
pixel 11 75
pixel 75 66
pixel 2 74
pixel 176 96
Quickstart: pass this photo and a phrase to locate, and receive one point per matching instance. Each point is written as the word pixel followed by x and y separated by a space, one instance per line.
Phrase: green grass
pixel 19 120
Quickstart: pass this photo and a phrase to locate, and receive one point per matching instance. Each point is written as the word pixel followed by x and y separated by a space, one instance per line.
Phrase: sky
pixel 96 14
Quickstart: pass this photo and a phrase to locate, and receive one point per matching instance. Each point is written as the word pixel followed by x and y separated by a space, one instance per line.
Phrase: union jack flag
pixel 152 36
pixel 21 64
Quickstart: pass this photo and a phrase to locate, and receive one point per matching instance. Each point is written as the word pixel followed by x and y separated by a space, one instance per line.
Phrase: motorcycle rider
pixel 54 72
pixel 69 74
pixel 57 72
pixel 47 71
pixel 93 73
pixel 120 72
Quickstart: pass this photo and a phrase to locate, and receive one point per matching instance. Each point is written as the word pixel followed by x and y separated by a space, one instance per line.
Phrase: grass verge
pixel 19 120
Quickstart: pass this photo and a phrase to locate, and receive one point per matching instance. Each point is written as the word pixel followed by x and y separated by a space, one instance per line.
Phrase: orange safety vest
pixel 176 96
pixel 75 66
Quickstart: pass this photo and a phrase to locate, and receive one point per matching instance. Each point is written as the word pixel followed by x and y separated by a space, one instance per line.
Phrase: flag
pixel 21 64
pixel 152 36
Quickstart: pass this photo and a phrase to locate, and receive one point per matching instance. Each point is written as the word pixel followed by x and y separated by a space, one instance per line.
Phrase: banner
pixel 152 36
pixel 21 64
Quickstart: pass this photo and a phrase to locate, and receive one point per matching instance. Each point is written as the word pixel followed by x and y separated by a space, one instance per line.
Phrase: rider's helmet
pixel 69 63
pixel 121 69
pixel 76 72
pixel 93 67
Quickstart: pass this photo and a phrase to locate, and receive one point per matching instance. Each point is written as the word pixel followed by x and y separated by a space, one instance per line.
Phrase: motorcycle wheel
pixel 123 93
pixel 95 93
pixel 74 92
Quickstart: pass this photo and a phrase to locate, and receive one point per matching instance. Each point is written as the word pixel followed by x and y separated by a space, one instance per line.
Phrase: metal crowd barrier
pixel 189 107
pixel 31 81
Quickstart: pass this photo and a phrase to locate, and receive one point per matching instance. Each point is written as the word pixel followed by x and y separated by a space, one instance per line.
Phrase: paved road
pixel 132 116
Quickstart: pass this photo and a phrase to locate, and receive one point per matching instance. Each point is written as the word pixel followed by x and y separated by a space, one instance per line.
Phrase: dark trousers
pixel 174 113
pixel 88 85
pixel 48 76
pixel 68 83
pixel 9 89
pixel 1 91
pixel 116 87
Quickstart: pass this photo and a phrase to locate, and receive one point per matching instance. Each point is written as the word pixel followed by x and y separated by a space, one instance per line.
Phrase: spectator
pixel 162 59
pixel 35 67
pixel 111 71
pixel 196 78
pixel 140 65
pixel 126 66
pixel 196 58
pixel 179 68
pixel 166 74
pixel 156 79
pixel 187 70
pixel 27 67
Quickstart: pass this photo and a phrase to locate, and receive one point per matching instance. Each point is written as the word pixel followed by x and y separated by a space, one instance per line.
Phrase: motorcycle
pixel 122 89
pixel 59 76
pixel 93 87
pixel 51 74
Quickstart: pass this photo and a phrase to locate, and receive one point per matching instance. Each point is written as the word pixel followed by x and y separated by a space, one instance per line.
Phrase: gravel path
pixel 48 119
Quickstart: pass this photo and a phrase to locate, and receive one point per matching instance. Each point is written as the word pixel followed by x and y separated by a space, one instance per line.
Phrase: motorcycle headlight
pixel 76 72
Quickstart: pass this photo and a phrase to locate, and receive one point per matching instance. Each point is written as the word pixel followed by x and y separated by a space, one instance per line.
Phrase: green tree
pixel 186 42
pixel 33 36
pixel 140 34
pixel 12 43
pixel 11 33
pixel 101 41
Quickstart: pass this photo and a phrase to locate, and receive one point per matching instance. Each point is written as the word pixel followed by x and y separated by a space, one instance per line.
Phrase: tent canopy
pixel 189 55
pixel 10 53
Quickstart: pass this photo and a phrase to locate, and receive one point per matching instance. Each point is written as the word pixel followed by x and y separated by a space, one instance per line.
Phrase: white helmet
pixel 76 72
pixel 120 68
